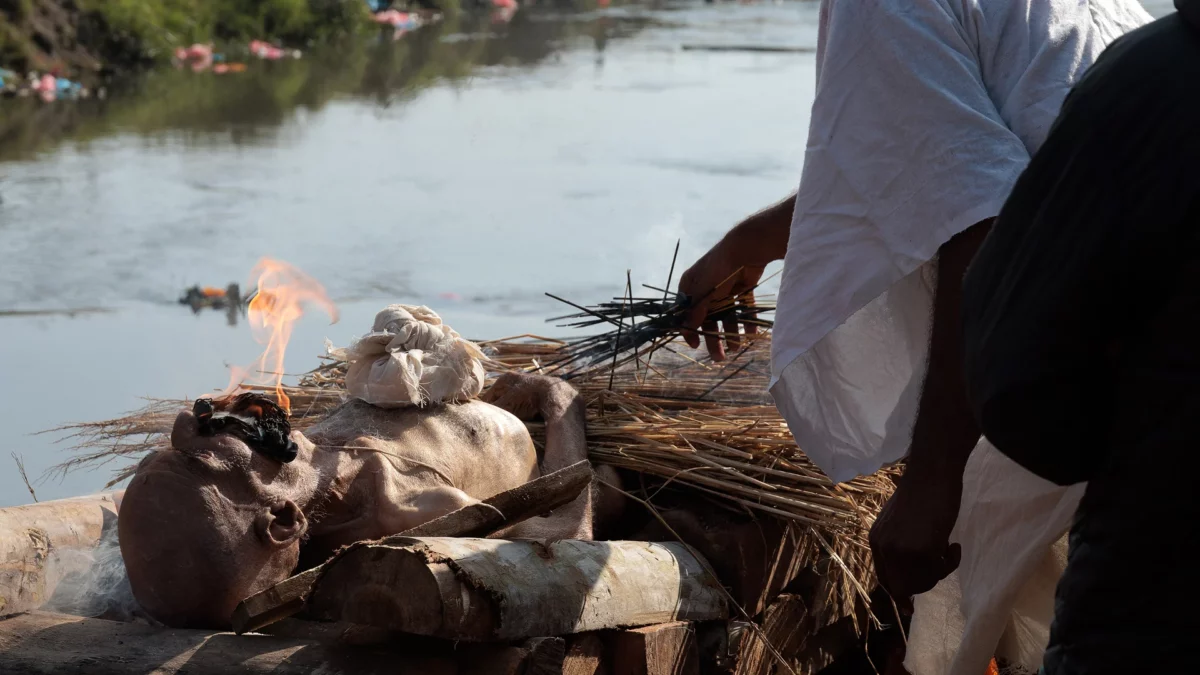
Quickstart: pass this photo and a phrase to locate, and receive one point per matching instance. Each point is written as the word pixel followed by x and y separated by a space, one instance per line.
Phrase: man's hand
pixel 910 539
pixel 729 272
pixel 526 395
pixel 726 274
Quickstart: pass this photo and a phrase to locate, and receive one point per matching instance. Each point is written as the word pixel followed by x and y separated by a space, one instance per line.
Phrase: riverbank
pixel 92 40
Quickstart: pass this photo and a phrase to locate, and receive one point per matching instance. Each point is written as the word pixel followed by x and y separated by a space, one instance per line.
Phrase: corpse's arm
pixel 562 409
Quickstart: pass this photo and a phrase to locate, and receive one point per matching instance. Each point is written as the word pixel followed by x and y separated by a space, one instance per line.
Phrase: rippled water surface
pixel 470 167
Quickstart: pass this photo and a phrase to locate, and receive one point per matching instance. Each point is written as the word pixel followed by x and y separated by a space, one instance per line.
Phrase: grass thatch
pixel 683 421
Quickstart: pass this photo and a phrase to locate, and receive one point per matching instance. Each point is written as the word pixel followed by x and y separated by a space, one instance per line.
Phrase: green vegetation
pixel 155 27
pixel 250 107
pixel 120 34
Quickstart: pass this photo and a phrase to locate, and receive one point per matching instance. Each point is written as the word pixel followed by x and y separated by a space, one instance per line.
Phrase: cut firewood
pixel 585 653
pixel 532 499
pixel 41 544
pixel 665 649
pixel 546 655
pixel 489 589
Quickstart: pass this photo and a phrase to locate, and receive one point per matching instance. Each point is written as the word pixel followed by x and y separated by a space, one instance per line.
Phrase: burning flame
pixel 283 293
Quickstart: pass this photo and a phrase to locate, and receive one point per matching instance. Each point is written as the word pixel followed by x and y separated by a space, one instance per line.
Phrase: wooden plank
pixel 490 589
pixel 665 649
pixel 532 499
pixel 41 643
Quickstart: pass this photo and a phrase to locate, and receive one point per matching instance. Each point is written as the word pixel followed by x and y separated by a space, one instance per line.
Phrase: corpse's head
pixel 212 520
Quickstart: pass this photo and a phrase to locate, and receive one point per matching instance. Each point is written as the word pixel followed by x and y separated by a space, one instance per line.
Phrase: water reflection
pixel 250 106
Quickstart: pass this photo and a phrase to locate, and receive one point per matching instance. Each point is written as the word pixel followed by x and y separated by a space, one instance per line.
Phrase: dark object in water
pixel 254 418
pixel 207 297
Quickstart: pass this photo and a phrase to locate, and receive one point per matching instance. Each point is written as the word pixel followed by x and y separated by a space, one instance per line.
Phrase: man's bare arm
pixel 910 539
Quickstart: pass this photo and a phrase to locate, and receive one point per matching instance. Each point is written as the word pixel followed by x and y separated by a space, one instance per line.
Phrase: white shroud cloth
pixel 411 358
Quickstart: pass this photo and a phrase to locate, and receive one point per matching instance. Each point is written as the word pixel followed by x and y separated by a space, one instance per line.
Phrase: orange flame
pixel 283 292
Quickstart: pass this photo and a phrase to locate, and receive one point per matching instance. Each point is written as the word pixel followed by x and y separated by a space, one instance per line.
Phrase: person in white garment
pixel 926 112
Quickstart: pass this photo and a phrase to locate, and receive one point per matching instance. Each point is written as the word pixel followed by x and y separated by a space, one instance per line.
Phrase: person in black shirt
pixel 1082 341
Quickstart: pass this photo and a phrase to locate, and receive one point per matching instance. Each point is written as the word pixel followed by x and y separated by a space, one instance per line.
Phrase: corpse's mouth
pixel 255 419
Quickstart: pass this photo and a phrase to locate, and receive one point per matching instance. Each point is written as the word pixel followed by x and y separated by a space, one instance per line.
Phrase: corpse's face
pixel 210 521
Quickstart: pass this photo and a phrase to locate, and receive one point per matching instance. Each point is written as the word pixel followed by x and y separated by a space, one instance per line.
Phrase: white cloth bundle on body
pixel 411 358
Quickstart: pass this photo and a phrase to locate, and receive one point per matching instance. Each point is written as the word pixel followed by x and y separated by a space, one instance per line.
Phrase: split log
pixel 41 643
pixel 665 649
pixel 532 499
pixel 489 589
pixel 41 544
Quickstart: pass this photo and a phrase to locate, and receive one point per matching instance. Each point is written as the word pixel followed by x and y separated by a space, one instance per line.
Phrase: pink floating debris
pixel 198 56
pixel 397 19
pixel 268 51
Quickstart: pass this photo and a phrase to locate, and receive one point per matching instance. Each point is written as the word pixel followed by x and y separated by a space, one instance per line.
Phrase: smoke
pixel 94 583
pixel 651 251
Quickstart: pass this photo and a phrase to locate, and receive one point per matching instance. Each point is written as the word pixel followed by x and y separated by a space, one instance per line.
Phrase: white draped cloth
pixel 926 112
pixel 411 358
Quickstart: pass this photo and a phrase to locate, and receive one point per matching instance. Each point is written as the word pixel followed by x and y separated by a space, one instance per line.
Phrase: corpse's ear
pixel 282 524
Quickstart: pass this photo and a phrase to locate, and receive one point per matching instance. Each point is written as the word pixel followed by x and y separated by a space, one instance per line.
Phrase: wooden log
pixel 532 499
pixel 42 544
pixel 41 643
pixel 490 589
pixel 665 649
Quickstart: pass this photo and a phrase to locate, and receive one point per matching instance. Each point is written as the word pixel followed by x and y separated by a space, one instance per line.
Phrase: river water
pixel 470 166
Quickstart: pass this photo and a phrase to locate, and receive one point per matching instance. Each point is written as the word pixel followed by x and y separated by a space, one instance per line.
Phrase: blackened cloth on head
pixel 1082 330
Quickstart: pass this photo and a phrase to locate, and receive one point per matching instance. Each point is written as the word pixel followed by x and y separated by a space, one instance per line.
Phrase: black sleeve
pixel 1081 251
